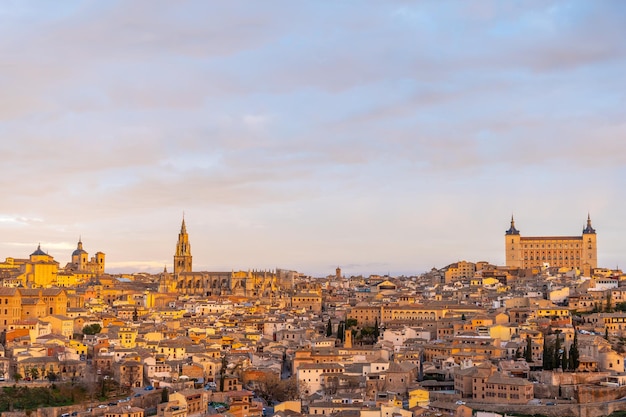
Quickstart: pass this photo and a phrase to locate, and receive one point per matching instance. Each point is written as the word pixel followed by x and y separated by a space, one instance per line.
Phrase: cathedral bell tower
pixel 182 257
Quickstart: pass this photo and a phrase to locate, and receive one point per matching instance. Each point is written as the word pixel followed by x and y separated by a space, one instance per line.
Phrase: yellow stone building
pixel 82 263
pixel 419 397
pixel 40 270
pixel 127 337
pixel 459 270
pixel 30 303
pixel 62 325
pixel 579 252
pixel 78 346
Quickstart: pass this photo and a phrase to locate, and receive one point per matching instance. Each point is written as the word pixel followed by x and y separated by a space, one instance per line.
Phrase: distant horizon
pixel 151 267
pixel 383 137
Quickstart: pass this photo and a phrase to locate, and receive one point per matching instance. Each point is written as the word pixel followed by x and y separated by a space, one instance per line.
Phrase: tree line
pixel 555 355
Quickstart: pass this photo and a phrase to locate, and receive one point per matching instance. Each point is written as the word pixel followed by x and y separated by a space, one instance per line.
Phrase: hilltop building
pixel 82 264
pixel 41 269
pixel 579 252
pixel 26 303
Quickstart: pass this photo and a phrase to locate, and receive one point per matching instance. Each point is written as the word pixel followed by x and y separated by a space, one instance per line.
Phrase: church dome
pixel 38 252
pixel 79 250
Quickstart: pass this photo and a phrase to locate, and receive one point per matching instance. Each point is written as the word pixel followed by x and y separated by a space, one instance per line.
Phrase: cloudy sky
pixel 380 136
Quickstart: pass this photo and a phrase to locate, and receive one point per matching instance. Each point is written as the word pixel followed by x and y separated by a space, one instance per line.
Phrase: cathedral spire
pixel 182 256
pixel 183 228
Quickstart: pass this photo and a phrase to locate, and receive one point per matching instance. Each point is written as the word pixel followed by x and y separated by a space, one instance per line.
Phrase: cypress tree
pixel 341 331
pixel 564 361
pixel 573 353
pixel 376 329
pixel 329 329
pixel 548 355
pixel 223 372
pixel 556 361
pixel 528 351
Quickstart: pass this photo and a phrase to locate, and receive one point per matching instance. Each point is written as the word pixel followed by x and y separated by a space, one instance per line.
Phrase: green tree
pixel 376 329
pixel 528 352
pixel 574 355
pixel 556 361
pixel 341 331
pixel 103 390
pixel 51 376
pixel 165 395
pixel 609 307
pixel 548 355
pixel 329 329
pixel 223 372
pixel 92 329
pixel 34 373
pixel 135 314
pixel 17 377
pixel 366 333
pixel 606 333
pixel 351 323
pixel 564 361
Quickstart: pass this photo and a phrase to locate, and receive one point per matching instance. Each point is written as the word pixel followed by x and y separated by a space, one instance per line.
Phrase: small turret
pixel 588 229
pixel 512 230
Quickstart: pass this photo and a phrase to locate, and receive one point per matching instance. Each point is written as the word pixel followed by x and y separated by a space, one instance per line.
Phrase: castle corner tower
pixel 512 244
pixel 182 256
pixel 589 248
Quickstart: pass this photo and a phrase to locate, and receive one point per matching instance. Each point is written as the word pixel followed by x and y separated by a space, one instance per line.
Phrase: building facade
pixel 459 270
pixel 579 252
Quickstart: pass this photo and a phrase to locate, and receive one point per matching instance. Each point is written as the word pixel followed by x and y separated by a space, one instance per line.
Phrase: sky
pixel 381 137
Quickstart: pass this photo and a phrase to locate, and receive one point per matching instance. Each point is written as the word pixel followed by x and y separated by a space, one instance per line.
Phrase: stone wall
pixel 598 409
pixel 594 393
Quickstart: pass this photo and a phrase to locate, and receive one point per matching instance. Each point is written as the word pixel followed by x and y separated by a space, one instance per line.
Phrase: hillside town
pixel 468 338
